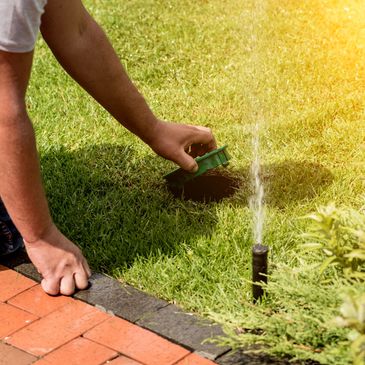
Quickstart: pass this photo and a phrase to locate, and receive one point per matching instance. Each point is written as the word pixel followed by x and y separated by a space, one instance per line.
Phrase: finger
pixel 86 268
pixel 205 137
pixel 51 286
pixel 186 162
pixel 67 286
pixel 81 280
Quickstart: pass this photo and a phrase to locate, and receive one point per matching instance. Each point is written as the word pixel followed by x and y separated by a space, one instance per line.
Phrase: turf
pixel 298 68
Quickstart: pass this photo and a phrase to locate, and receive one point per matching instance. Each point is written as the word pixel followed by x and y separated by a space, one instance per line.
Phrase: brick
pixel 78 351
pixel 186 329
pixel 122 360
pixel 11 355
pixel 42 361
pixel 58 328
pixel 12 283
pixel 194 359
pixel 123 300
pixel 136 343
pixel 36 301
pixel 12 319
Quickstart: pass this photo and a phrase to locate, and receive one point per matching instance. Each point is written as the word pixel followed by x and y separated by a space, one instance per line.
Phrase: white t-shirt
pixel 19 24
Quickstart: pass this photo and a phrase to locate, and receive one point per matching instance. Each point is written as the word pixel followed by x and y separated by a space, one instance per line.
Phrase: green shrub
pixel 353 317
pixel 340 235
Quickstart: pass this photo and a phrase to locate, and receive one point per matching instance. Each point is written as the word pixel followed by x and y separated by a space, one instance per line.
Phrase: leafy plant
pixel 340 235
pixel 353 317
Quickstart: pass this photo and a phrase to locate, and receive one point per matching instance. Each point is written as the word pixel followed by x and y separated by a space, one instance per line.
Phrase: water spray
pixel 259 251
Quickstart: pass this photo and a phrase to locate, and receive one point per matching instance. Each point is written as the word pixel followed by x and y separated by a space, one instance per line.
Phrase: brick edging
pixel 165 319
pixel 144 310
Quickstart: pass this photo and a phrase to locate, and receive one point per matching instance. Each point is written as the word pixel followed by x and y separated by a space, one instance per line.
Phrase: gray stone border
pixel 156 315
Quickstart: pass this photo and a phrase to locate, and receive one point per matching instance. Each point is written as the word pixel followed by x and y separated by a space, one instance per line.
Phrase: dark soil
pixel 210 187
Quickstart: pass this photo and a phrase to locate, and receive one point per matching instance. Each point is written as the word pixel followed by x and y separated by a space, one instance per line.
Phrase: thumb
pixel 186 162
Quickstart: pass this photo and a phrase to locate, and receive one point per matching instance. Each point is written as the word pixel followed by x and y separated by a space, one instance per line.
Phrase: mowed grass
pixel 298 68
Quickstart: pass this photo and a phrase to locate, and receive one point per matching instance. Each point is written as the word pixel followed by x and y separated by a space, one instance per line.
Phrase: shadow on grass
pixel 286 184
pixel 116 206
pixel 290 182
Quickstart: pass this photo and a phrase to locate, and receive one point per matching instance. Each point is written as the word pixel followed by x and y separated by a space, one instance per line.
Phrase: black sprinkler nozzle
pixel 259 270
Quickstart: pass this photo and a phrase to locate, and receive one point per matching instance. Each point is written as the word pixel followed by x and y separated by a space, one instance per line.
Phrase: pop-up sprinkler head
pixel 259 270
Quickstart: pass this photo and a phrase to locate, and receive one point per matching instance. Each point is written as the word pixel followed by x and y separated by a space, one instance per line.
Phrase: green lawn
pixel 299 68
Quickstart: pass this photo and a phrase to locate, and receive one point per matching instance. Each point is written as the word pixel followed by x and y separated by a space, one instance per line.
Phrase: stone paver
pixel 10 355
pixel 29 271
pixel 12 283
pixel 83 352
pixel 59 327
pixel 122 360
pixel 36 301
pixel 123 300
pixel 188 330
pixel 13 319
pixel 137 343
pixel 194 359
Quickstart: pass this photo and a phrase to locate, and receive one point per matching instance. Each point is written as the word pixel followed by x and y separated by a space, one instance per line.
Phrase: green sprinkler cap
pixel 210 160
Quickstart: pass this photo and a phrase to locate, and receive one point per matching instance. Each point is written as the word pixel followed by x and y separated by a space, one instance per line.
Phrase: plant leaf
pixel 356 254
pixel 328 261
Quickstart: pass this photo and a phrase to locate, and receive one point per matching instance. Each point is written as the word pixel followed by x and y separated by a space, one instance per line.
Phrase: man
pixel 83 50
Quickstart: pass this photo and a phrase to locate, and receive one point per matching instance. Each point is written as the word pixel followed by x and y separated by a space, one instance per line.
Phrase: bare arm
pixel 58 260
pixel 82 48
pixel 20 182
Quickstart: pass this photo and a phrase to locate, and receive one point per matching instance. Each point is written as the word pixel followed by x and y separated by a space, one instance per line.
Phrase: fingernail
pixel 195 169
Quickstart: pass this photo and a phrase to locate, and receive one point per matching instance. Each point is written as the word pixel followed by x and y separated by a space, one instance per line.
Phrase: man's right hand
pixel 60 262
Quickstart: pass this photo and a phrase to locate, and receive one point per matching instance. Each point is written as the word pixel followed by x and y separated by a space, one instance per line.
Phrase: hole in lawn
pixel 210 187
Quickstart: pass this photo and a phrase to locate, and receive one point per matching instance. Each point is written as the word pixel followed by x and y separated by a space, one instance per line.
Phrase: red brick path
pixel 42 330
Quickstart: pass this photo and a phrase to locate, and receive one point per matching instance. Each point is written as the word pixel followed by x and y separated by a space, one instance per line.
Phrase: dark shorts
pixel 10 238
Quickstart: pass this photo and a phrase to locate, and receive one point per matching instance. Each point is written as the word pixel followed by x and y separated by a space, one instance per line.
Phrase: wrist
pixel 40 235
pixel 149 135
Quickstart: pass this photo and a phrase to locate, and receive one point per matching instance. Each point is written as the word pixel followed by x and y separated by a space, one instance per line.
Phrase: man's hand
pixel 60 262
pixel 181 143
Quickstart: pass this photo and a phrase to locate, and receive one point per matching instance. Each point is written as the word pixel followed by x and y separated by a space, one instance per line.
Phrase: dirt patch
pixel 210 187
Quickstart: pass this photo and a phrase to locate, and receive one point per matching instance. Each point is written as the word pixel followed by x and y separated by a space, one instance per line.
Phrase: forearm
pixel 82 48
pixel 20 182
pixel 91 60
